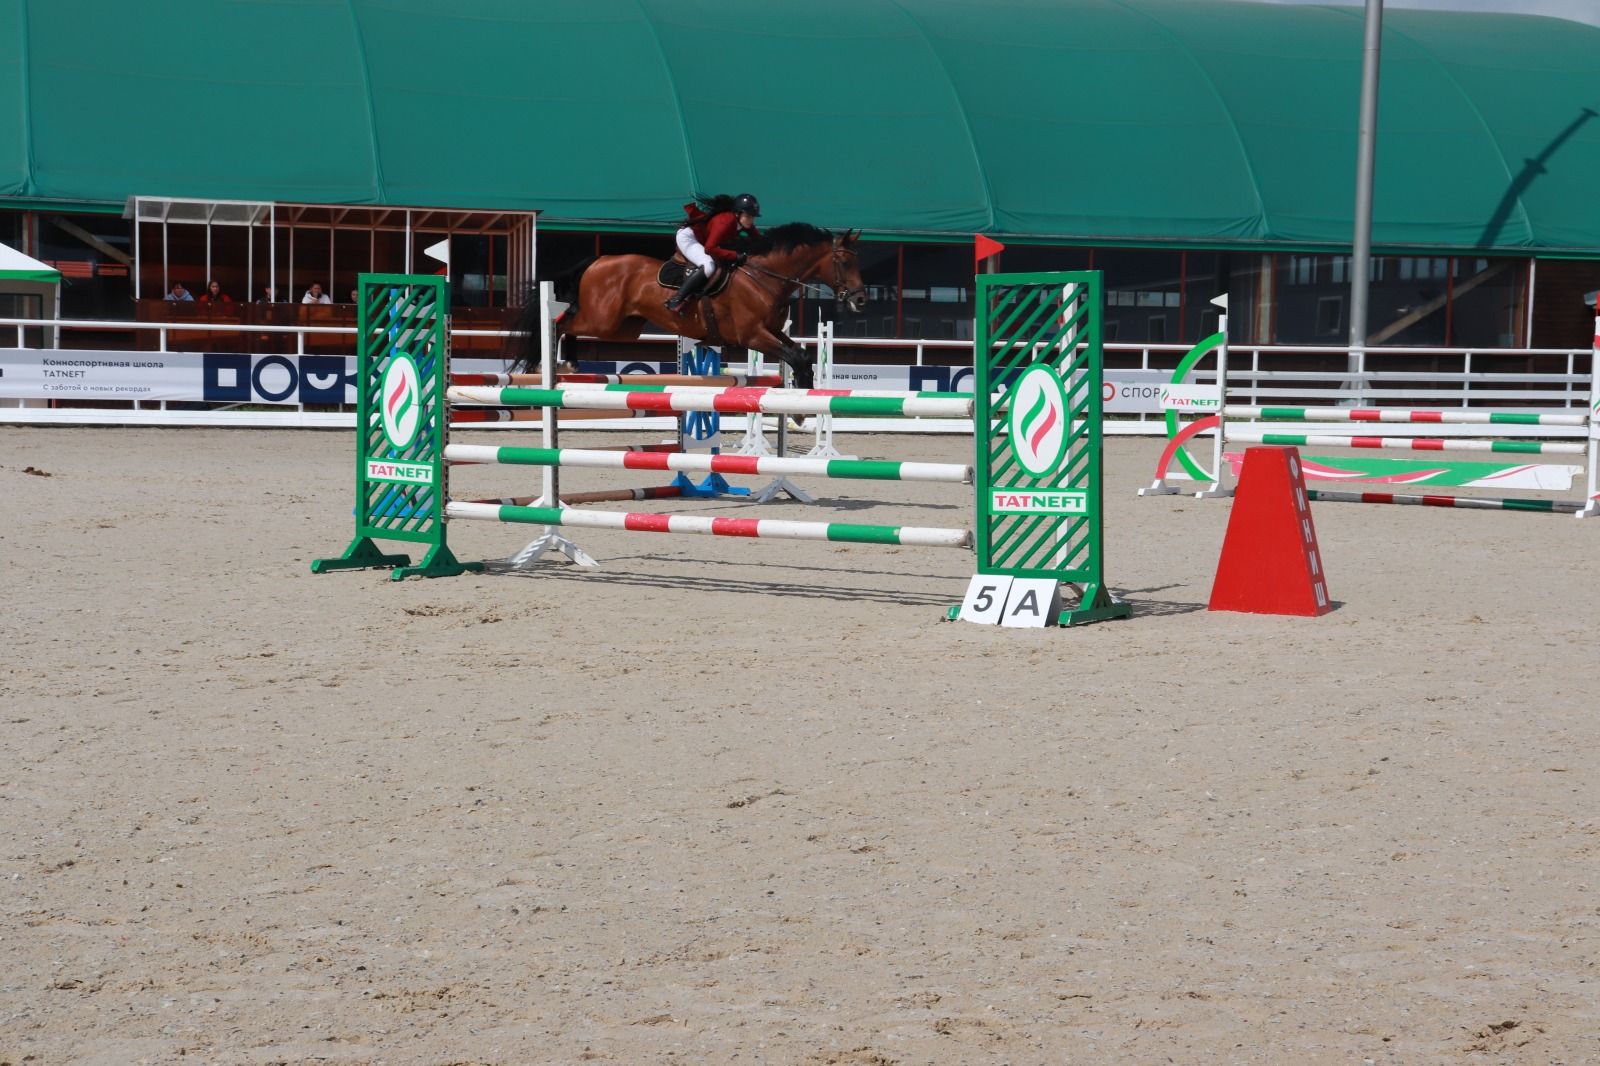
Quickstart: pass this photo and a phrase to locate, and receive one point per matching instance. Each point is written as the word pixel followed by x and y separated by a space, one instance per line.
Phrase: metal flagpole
pixel 1366 152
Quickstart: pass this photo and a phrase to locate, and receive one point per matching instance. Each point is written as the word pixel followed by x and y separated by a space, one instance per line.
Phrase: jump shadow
pixel 862 505
pixel 700 583
pixel 1144 606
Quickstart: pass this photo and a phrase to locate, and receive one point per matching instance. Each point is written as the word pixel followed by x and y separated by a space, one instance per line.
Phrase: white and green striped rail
pixel 1405 415
pixel 1257 435
pixel 691 462
pixel 706 525
pixel 667 400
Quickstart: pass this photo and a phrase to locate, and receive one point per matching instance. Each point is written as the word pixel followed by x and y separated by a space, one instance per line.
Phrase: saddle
pixel 672 273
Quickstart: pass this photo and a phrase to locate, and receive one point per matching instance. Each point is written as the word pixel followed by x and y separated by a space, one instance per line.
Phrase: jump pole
pixel 822 428
pixel 1591 498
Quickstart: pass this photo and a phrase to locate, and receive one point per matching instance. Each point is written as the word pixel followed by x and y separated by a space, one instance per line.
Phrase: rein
pixel 840 292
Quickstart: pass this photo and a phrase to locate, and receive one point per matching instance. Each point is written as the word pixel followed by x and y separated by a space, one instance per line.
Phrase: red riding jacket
pixel 712 230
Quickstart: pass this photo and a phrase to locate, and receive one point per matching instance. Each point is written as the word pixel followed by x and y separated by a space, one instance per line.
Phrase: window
pixel 1137 282
pixel 1330 314
pixel 943 309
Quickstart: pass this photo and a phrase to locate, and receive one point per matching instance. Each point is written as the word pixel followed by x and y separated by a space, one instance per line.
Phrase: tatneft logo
pixel 1038 420
pixel 407 473
pixel 400 400
pixel 1017 501
pixel 1190 397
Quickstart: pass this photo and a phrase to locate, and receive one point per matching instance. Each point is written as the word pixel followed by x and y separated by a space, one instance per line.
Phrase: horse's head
pixel 799 252
pixel 848 288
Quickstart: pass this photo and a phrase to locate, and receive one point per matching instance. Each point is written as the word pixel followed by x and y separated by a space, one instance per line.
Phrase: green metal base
pixel 439 562
pixel 1095 605
pixel 361 555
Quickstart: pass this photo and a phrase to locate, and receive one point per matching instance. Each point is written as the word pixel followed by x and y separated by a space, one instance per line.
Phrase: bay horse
pixel 614 297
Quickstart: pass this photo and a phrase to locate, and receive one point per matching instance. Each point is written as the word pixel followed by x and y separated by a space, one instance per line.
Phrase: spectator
pixel 269 295
pixel 315 295
pixel 214 294
pixel 355 296
pixel 178 294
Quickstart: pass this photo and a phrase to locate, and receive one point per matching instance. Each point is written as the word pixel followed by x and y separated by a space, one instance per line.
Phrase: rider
pixel 712 222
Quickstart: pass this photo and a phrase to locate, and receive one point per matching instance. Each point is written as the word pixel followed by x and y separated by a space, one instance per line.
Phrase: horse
pixel 614 297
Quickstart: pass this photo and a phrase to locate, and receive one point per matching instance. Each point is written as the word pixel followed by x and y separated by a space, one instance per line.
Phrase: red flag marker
pixel 1270 561
pixel 984 247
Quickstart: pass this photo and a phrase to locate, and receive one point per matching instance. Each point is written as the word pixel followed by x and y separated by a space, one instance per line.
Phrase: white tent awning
pixel 14 266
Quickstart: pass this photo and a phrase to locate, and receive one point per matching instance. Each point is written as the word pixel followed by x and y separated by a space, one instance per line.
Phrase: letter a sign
pixel 1034 603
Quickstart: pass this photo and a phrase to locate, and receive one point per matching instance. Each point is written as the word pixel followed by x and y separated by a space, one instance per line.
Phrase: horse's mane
pixel 786 238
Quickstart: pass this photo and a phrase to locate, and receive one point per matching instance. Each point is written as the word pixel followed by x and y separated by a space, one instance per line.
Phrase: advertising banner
pixel 235 378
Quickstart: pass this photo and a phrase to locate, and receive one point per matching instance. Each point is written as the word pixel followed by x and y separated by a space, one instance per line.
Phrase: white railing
pixel 1255 384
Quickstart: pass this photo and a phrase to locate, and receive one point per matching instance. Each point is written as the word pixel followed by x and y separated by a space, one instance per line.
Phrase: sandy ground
pixel 755 802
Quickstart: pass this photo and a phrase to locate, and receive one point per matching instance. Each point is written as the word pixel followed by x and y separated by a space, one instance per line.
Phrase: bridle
pixel 841 293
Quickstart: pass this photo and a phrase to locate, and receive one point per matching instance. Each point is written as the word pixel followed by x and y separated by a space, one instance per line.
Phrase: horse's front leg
pixel 780 346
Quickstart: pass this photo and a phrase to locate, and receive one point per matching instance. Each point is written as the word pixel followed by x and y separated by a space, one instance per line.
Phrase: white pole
pixel 551 539
pixel 1219 438
pixel 824 448
pixel 547 373
pixel 1591 503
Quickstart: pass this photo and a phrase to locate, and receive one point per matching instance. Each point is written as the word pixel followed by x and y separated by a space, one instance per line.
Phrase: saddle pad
pixel 672 273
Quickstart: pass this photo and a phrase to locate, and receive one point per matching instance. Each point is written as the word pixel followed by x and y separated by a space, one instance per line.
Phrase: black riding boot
pixel 693 282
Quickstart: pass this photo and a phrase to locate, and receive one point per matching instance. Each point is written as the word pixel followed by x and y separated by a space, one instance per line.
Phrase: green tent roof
pixel 1198 122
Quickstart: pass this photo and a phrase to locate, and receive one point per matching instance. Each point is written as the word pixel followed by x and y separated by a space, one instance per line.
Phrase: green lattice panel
pixel 401 319
pixel 1026 321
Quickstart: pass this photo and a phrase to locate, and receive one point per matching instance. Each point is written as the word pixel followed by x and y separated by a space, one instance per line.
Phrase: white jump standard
pixel 1252 423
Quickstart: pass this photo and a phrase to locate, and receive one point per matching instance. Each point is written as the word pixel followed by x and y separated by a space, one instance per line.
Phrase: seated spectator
pixel 178 294
pixel 315 295
pixel 355 296
pixel 269 295
pixel 214 294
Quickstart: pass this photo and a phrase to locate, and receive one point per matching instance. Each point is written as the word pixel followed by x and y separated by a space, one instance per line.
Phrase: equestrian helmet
pixel 746 204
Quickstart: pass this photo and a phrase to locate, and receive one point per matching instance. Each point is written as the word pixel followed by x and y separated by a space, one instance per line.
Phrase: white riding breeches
pixel 694 252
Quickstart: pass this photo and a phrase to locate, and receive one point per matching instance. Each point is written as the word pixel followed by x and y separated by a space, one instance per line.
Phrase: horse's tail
pixel 523 345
